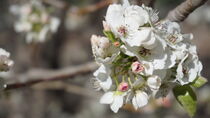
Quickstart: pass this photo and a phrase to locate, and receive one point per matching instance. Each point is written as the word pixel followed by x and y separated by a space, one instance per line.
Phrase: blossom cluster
pixel 35 21
pixel 141 57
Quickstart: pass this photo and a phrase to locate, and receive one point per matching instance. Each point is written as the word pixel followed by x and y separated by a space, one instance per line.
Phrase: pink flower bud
pixel 123 86
pixel 137 67
pixel 106 26
pixel 116 43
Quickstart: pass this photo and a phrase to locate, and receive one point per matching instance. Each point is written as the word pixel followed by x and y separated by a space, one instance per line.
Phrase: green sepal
pixel 186 97
pixel 110 36
pixel 199 81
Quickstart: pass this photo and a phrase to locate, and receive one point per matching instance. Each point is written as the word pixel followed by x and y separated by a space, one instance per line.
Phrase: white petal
pixel 106 84
pixel 107 98
pixel 134 102
pixel 161 73
pixel 139 37
pixel 180 74
pixel 148 68
pixel 117 103
pixel 114 17
pixel 126 3
pixel 101 69
pixel 150 44
pixel 135 17
pixel 154 82
pixel 141 98
pixel 171 58
pixel 125 50
pixel 159 62
pixel 200 67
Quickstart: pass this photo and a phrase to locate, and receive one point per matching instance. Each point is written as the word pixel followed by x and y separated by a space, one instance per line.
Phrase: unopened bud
pixel 123 86
pixel 137 67
pixel 100 45
pixel 117 44
pixel 106 26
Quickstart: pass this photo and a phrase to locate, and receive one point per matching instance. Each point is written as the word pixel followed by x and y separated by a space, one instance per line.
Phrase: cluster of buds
pixel 141 57
pixel 35 21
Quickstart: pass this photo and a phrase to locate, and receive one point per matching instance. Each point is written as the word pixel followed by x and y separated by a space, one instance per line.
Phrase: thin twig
pixel 39 75
pixel 181 12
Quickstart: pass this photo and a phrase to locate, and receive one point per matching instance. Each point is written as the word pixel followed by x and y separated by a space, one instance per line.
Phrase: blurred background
pixel 69 47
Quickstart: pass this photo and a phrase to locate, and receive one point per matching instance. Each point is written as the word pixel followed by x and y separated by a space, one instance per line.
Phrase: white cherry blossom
pixel 126 18
pixel 35 21
pixel 188 69
pixel 142 58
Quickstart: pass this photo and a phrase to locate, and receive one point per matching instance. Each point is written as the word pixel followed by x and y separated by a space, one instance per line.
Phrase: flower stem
pixel 129 81
pixel 116 81
pixel 123 78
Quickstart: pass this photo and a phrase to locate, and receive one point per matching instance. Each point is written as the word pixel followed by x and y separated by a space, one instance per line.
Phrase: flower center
pixel 172 38
pixel 144 52
pixel 122 30
pixel 185 70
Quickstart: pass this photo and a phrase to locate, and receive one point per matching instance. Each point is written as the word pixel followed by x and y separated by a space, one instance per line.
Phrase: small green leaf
pixel 186 97
pixel 110 36
pixel 200 81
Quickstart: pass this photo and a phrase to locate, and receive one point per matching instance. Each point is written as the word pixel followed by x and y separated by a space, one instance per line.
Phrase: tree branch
pixel 83 10
pixel 56 3
pixel 149 3
pixel 39 75
pixel 181 12
pixel 92 8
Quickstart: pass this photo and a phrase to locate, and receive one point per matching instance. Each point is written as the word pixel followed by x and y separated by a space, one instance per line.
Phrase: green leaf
pixel 186 97
pixel 110 36
pixel 200 81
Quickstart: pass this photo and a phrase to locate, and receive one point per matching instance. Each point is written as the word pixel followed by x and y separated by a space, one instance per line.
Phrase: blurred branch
pixel 39 75
pixel 182 11
pixel 92 8
pixel 70 88
pixel 56 3
pixel 84 10
pixel 149 3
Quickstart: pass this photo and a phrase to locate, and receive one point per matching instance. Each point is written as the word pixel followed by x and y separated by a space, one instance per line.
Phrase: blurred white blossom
pixel 5 62
pixel 35 21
